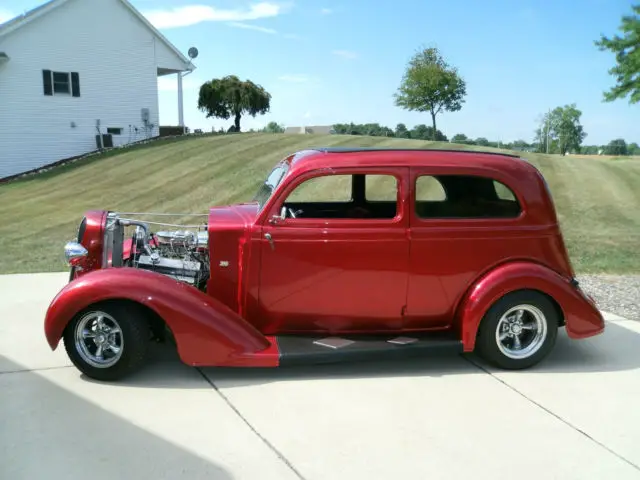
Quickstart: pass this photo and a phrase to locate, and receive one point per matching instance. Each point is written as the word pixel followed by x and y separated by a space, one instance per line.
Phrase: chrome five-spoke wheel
pixel 109 340
pixel 99 339
pixel 519 330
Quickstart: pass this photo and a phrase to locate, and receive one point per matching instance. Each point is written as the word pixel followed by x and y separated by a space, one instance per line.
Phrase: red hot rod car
pixel 343 254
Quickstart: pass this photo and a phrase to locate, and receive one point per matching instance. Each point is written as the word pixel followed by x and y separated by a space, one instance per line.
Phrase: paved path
pixel 576 416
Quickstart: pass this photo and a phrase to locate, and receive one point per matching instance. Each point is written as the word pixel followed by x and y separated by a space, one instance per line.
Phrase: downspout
pixel 180 99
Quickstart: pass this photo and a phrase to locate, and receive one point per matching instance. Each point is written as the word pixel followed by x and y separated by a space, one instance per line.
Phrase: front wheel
pixel 518 331
pixel 108 342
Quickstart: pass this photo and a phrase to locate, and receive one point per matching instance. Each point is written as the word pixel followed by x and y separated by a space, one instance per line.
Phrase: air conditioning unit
pixel 107 141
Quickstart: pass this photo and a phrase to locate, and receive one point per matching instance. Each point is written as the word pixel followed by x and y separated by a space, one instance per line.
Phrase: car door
pixel 341 264
pixel 462 223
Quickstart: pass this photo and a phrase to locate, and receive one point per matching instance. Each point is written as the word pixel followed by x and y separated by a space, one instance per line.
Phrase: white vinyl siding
pixel 113 55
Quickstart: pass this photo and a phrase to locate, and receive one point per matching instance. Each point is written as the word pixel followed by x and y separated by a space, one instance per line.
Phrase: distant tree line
pixel 423 132
pixel 419 132
pixel 615 147
pixel 559 138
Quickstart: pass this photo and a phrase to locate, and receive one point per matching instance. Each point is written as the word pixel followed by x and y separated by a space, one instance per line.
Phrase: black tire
pixel 134 337
pixel 538 311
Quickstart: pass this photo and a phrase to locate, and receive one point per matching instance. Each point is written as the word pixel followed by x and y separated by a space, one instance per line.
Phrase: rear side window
pixel 504 192
pixel 429 189
pixel 464 196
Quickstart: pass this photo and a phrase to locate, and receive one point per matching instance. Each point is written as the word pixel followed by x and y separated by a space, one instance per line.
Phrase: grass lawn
pixel 598 199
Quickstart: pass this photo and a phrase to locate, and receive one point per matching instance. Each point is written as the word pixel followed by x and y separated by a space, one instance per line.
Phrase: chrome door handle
pixel 270 239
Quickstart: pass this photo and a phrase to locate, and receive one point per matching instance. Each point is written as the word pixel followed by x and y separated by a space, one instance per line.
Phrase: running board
pixel 304 350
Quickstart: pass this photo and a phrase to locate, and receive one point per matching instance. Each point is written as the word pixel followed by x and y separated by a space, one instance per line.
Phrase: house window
pixel 464 196
pixel 61 83
pixel 114 131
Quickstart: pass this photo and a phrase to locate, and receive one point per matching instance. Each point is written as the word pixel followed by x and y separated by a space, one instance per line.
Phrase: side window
pixel 327 188
pixel 504 192
pixel 345 196
pixel 381 188
pixel 464 196
pixel 429 189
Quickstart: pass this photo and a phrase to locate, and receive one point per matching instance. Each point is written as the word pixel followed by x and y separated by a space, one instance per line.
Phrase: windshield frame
pixel 271 183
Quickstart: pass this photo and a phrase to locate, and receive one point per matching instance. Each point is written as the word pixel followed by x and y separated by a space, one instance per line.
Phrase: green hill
pixel 598 200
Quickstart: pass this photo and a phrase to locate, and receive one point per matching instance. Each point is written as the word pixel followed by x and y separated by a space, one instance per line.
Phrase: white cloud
pixel 257 28
pixel 296 78
pixel 169 83
pixel 5 15
pixel 194 14
pixel 345 54
pixel 326 11
pixel 307 115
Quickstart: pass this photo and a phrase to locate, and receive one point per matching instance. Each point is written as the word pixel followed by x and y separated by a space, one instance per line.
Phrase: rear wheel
pixel 109 341
pixel 518 331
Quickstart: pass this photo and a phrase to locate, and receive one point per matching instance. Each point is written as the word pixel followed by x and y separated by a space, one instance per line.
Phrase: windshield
pixel 270 184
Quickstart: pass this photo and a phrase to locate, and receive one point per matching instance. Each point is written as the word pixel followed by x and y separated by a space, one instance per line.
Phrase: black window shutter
pixel 75 84
pixel 46 82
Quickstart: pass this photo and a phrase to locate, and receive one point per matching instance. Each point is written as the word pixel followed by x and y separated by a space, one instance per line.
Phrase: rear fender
pixel 580 314
pixel 206 331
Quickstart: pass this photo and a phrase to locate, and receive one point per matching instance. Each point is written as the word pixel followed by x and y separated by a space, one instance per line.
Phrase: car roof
pixel 333 157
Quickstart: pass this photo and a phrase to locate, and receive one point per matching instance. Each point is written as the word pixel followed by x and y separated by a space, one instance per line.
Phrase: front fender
pixel 206 331
pixel 581 316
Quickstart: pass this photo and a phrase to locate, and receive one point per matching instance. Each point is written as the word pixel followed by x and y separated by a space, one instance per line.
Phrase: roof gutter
pixel 190 69
pixel 189 72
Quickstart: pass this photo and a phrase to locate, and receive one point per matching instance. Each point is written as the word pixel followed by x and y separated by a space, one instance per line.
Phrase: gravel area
pixel 618 294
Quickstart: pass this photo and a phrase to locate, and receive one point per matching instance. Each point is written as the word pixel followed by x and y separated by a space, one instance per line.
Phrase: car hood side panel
pixel 229 228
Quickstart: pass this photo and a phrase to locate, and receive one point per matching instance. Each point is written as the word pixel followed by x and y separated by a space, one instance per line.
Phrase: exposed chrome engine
pixel 182 254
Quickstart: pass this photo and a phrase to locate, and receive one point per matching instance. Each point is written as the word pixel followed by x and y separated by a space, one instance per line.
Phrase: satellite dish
pixel 193 52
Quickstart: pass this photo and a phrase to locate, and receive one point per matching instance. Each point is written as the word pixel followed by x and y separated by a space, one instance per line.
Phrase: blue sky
pixel 337 61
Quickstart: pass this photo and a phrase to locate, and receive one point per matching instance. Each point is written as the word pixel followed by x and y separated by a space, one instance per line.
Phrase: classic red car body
pixel 275 285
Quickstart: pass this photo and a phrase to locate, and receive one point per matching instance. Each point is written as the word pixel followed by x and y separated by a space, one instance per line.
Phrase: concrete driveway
pixel 576 416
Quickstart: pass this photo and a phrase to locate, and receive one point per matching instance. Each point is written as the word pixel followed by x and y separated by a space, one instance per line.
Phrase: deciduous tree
pixel 617 147
pixel 430 85
pixel 461 138
pixel 422 132
pixel 401 131
pixel 627 50
pixel 561 128
pixel 273 127
pixel 566 128
pixel 229 96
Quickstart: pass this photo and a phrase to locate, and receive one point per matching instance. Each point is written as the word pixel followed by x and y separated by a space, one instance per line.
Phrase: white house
pixel 72 68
